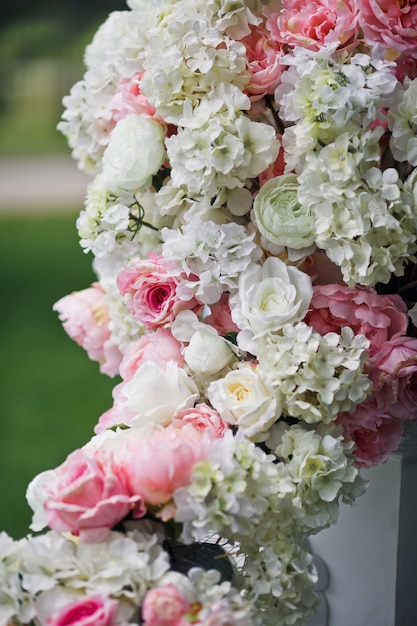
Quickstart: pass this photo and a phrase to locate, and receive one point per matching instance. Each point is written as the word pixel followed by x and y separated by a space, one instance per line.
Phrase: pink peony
pixel 202 418
pixel 150 291
pixel 165 606
pixel 264 67
pixel 390 23
pixel 314 23
pixel 118 414
pixel 88 496
pixel 375 434
pixel 379 318
pixel 86 320
pixel 393 371
pixel 96 610
pixel 129 99
pixel 155 467
pixel 159 347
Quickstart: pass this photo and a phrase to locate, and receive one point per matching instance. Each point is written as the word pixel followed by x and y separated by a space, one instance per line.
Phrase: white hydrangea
pixel 318 376
pixel 124 327
pixel 331 95
pixel 213 257
pixel 320 464
pixel 15 601
pixel 186 59
pixel 402 118
pixel 87 121
pixel 363 216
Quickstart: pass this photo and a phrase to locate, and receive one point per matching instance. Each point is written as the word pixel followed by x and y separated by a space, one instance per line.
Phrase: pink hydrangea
pixel 389 23
pixel 203 418
pixel 165 606
pixel 380 318
pixel 159 346
pixel 94 610
pixel 88 496
pixel 150 291
pixel 155 467
pixel 313 23
pixel 85 318
pixel 264 67
pixel 129 99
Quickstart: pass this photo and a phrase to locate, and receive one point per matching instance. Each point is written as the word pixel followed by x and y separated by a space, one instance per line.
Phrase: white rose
pixel 155 394
pixel 135 153
pixel 244 399
pixel 207 353
pixel 268 298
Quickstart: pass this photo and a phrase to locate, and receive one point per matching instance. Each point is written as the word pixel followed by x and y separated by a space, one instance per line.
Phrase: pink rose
pixel 277 168
pixel 150 291
pixel 155 467
pixel 375 434
pixel 393 371
pixel 159 347
pixel 96 610
pixel 202 418
pixel 390 23
pixel 88 496
pixel 129 99
pixel 264 67
pixel 379 318
pixel 85 318
pixel 165 606
pixel 313 23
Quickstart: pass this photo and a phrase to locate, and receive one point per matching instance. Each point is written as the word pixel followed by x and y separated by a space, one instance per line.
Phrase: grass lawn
pixel 51 393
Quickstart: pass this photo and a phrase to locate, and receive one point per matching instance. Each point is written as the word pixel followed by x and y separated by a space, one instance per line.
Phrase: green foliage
pixel 52 394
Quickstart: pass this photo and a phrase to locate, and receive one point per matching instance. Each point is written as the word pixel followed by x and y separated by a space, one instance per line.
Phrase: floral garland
pixel 253 221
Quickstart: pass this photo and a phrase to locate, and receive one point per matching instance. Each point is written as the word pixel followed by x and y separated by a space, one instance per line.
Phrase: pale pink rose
pixel 129 99
pixel 390 23
pixel 220 317
pixel 393 371
pixel 150 291
pixel 88 495
pixel 155 467
pixel 159 346
pixel 375 433
pixel 314 23
pixel 95 610
pixel 85 318
pixel 264 67
pixel 203 418
pixel 165 606
pixel 380 318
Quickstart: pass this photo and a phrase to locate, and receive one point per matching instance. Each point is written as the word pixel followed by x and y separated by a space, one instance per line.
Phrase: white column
pixel 371 553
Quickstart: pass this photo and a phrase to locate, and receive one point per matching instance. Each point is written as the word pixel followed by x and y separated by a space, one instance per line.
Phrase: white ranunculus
pixel 280 217
pixel 244 399
pixel 156 394
pixel 268 298
pixel 135 153
pixel 207 353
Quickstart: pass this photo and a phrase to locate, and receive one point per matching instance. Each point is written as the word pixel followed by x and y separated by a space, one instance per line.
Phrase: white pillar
pixel 371 553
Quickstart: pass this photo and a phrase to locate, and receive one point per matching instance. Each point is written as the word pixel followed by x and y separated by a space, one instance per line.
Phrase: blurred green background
pixel 51 393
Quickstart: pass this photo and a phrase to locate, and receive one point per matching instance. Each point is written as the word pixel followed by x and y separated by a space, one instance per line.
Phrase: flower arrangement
pixel 253 222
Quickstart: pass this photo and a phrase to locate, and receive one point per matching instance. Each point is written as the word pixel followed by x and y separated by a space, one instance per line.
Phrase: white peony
pixel 135 153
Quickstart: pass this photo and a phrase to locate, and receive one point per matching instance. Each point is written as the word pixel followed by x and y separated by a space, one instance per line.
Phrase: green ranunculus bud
pixel 279 216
